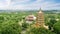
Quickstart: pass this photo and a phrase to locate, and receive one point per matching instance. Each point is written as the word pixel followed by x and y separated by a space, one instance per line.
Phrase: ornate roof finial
pixel 40 8
pixel 40 11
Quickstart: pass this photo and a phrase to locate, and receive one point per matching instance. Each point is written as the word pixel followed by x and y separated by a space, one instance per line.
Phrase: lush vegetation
pixel 14 23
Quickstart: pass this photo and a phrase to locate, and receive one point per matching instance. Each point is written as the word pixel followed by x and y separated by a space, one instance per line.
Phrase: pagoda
pixel 40 19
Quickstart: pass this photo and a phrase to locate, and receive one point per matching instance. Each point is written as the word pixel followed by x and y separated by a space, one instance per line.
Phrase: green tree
pixel 57 27
pixel 10 28
pixel 51 23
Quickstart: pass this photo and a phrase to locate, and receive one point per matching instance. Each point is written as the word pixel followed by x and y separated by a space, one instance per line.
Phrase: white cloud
pixel 19 4
pixel 4 4
pixel 19 1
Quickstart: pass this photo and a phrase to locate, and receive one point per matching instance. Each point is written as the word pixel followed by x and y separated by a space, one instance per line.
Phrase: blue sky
pixel 29 4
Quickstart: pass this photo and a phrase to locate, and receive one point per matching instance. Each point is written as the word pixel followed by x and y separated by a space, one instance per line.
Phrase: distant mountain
pixel 52 11
pixel 46 11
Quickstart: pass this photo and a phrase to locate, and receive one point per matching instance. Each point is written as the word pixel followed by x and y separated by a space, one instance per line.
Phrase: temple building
pixel 40 22
pixel 40 18
pixel 30 18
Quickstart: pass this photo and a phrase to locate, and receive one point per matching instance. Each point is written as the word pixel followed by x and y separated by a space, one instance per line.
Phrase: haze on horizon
pixel 29 4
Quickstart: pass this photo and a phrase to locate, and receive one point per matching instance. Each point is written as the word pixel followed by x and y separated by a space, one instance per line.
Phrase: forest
pixel 14 23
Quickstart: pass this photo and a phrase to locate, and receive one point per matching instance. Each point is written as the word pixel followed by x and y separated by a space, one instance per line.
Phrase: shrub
pixel 39 31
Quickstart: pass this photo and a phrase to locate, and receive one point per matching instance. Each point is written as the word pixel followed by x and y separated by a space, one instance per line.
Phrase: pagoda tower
pixel 40 19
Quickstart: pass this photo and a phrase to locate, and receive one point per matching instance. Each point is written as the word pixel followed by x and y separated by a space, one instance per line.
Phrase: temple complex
pixel 40 21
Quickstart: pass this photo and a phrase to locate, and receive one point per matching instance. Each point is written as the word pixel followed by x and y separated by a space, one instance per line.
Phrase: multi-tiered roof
pixel 40 18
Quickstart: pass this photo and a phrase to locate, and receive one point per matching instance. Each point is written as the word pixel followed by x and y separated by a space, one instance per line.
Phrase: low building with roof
pixel 30 18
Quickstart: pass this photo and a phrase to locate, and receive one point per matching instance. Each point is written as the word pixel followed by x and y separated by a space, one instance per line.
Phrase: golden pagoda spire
pixel 40 19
